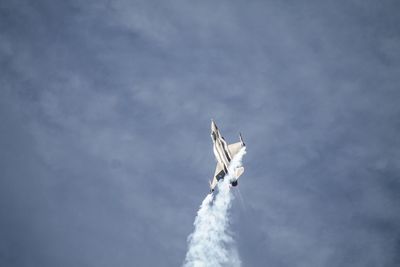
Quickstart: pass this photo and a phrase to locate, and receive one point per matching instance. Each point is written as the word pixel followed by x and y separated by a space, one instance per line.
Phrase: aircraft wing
pixel 219 172
pixel 234 148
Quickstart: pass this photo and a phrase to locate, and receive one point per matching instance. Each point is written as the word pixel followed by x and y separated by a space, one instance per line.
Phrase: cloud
pixel 106 108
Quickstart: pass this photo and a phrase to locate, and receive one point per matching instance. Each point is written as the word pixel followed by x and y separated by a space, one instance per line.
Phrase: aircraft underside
pixel 224 154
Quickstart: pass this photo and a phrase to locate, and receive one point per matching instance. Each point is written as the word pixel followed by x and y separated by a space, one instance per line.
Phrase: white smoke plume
pixel 211 243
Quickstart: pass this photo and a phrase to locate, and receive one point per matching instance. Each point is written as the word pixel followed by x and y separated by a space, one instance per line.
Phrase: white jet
pixel 224 154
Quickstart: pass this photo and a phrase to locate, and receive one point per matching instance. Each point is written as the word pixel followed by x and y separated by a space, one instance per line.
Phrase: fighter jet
pixel 224 154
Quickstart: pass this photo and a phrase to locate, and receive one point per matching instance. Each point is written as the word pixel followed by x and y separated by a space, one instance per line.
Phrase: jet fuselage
pixel 223 154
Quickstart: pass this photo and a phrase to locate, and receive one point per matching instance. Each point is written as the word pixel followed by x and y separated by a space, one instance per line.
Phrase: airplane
pixel 224 154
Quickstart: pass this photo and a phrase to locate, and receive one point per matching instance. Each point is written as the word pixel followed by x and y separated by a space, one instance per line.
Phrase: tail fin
pixel 241 139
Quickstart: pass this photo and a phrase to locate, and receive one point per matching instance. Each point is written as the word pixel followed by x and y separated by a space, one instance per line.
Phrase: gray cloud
pixel 105 110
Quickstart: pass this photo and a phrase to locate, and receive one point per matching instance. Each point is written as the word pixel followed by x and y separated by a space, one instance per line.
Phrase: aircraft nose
pixel 213 126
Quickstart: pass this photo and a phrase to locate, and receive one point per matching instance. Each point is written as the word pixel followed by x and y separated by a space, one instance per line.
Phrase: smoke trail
pixel 211 244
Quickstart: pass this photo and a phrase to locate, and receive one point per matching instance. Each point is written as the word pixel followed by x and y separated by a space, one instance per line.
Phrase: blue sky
pixel 105 110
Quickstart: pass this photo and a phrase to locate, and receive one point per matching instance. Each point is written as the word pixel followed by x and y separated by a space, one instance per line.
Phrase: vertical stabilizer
pixel 241 139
